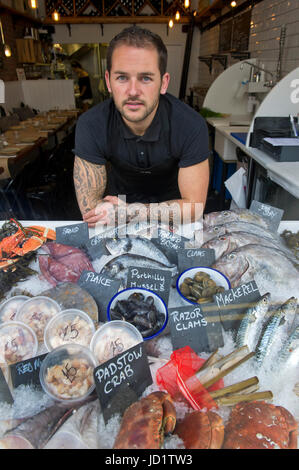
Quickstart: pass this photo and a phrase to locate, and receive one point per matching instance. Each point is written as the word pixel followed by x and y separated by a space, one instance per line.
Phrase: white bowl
pixel 158 303
pixel 217 276
pixel 10 307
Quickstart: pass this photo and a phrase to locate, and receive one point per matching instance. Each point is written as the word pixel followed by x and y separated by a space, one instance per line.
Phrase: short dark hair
pixel 139 37
pixel 76 65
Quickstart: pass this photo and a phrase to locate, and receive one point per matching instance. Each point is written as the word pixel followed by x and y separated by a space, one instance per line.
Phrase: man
pixel 142 143
pixel 84 85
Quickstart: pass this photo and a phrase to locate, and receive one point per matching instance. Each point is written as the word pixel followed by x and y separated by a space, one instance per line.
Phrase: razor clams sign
pixel 189 326
pixel 121 380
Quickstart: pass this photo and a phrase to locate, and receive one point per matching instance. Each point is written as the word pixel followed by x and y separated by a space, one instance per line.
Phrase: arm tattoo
pixel 90 182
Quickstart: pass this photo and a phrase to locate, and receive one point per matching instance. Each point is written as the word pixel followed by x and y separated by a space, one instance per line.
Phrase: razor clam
pixel 245 215
pixel 136 246
pixel 272 271
pixel 253 316
pixel 268 334
pixel 290 349
pixel 239 226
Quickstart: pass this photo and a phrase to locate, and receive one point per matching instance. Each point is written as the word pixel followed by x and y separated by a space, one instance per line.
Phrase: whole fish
pixel 223 217
pixel 34 432
pixel 228 242
pixel 118 267
pixel 267 337
pixel 239 226
pixel 289 351
pixel 80 431
pixel 272 271
pixel 251 321
pixel 137 246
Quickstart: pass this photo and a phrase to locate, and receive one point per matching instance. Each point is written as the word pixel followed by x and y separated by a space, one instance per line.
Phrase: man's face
pixel 135 83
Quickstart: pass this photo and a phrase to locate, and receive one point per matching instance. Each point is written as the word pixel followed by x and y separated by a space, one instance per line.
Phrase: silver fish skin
pixel 251 321
pixel 137 246
pixel 268 335
pixel 223 217
pixel 230 241
pixel 238 226
pixel 272 271
pixel 118 267
pixel 289 351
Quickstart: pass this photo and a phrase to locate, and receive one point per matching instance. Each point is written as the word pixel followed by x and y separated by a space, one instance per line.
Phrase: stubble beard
pixel 138 118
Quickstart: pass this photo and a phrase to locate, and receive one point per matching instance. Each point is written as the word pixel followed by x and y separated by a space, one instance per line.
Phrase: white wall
pixel 174 41
pixel 267 19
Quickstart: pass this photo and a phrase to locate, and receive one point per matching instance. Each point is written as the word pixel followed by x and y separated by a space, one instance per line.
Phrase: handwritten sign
pixel 190 326
pixel 102 289
pixel 27 372
pixel 169 243
pixel 190 257
pixel 96 247
pixel 157 280
pixel 272 215
pixel 233 303
pixel 74 234
pixel 5 395
pixel 121 380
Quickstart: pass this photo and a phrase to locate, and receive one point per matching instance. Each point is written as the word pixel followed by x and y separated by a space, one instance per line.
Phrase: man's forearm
pixel 90 183
pixel 170 212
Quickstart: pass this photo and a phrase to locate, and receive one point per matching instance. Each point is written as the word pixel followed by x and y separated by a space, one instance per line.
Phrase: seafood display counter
pixel 142 337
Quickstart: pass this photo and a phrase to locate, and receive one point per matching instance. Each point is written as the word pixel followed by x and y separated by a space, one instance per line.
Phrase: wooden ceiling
pixel 128 11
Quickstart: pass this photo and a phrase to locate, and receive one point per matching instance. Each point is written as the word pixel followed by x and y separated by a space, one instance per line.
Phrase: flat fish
pixel 251 321
pixel 118 267
pixel 80 431
pixel 228 242
pixel 137 246
pixel 34 432
pixel 267 337
pixel 238 226
pixel 245 215
pixel 272 271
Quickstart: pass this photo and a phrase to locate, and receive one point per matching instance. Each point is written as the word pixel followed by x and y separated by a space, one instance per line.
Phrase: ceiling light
pixel 7 50
pixel 33 4
pixel 56 16
pixel 177 15
pixel 170 24
pixel 233 4
pixel 186 3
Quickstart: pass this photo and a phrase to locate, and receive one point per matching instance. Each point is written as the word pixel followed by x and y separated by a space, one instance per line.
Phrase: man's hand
pixel 106 212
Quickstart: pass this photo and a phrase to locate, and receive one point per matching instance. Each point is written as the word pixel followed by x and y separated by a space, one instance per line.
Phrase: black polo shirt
pixel 177 134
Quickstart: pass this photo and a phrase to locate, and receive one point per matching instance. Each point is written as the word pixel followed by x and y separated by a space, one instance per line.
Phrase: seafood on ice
pixel 63 263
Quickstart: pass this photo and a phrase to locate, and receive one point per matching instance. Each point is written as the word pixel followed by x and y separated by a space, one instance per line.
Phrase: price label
pixel 74 234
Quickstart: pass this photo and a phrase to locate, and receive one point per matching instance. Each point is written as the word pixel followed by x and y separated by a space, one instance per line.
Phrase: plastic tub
pixel 37 312
pixel 17 342
pixel 10 307
pixel 69 326
pixel 113 338
pixel 66 373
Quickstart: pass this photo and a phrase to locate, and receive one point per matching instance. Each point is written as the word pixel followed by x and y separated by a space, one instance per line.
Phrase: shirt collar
pixel 152 134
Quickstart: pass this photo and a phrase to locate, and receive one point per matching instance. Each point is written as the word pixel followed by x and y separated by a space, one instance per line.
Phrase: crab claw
pixel 43 232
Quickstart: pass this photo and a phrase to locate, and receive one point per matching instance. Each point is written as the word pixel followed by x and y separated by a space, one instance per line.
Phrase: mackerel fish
pixel 137 246
pixel 238 226
pixel 289 351
pixel 223 217
pixel 228 242
pixel 251 322
pixel 272 271
pixel 268 335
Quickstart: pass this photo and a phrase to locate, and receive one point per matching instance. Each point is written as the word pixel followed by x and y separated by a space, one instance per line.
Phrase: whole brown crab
pixel 146 421
pixel 260 425
pixel 201 430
